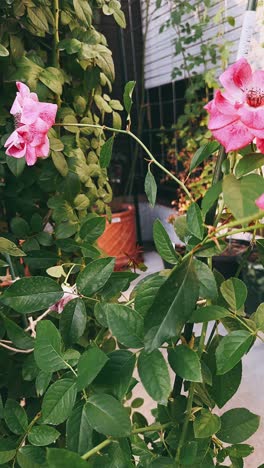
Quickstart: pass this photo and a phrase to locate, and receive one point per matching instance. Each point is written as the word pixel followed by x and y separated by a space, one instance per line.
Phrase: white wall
pixel 160 56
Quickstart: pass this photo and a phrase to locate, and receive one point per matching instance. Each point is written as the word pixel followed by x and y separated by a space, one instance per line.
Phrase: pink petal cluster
pixel 237 114
pixel 33 120
pixel 68 296
pixel 260 202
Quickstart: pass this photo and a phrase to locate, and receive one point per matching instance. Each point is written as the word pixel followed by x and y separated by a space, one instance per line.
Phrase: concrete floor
pixel 249 394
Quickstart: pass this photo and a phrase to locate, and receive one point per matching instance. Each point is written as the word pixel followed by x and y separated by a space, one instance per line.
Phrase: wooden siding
pixel 160 56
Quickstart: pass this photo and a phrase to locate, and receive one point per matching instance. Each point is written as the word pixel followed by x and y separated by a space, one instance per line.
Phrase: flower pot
pixel 120 236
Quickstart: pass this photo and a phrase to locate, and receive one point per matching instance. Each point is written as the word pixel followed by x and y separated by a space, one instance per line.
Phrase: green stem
pixel 56 40
pixel 186 422
pixel 33 422
pixel 140 430
pixel 190 398
pixel 11 266
pixel 132 135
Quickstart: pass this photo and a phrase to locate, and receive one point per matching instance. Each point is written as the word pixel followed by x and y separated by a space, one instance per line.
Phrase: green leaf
pixel 225 386
pixel 249 163
pixel 258 317
pixel 211 196
pixel 154 375
pixel 239 450
pixel 120 18
pixel 90 364
pixel 29 295
pixel 126 325
pixel 17 335
pixel 79 431
pixel 107 416
pixel 19 227
pixel 181 229
pixel 16 165
pixel 207 283
pixel 60 163
pixel 195 221
pixel 62 458
pixel 53 79
pixel 58 401
pixel 7 450
pixel 240 195
pixel 92 229
pixel 31 457
pixel 71 186
pixel 47 351
pixel 231 349
pixel 185 363
pixel 234 292
pixel 15 417
pixel 207 313
pixel 3 53
pixel 238 425
pixel 83 11
pixel 127 97
pixel 172 306
pixel 9 248
pixel 145 292
pixel 106 152
pixel 203 153
pixel 72 46
pixel 43 435
pixel 118 281
pixel 41 259
pixel 150 187
pixel 95 275
pixel 73 321
pixel 116 375
pixel 206 424
pixel 163 243
pixel 42 381
pixel 38 19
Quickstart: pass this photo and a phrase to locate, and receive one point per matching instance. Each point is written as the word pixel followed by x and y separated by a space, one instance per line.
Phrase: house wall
pixel 160 52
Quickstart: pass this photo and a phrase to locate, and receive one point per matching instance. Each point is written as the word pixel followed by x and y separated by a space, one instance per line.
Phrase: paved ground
pixel 250 394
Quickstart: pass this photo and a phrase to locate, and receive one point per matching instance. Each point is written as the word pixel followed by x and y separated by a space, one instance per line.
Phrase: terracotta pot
pixel 120 237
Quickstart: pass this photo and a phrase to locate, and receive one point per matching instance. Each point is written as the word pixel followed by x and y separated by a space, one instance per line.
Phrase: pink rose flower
pixel 237 114
pixel 260 202
pixel 33 119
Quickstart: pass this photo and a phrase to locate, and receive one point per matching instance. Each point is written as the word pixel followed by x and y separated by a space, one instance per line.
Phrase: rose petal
pixel 236 78
pixel 30 111
pixel 23 89
pixel 257 80
pixel 42 150
pixel 47 112
pixel 31 156
pixel 233 136
pixel 217 118
pixel 252 117
pixel 260 202
pixel 224 106
pixel 260 144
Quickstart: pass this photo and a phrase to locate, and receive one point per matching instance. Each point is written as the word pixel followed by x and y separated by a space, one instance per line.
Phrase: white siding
pixel 160 56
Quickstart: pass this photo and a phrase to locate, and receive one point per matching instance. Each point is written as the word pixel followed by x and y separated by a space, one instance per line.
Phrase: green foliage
pixel 73 345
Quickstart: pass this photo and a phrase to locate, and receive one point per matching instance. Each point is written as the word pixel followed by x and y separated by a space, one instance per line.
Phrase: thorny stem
pixel 140 430
pixel 33 422
pixel 190 398
pixel 132 135
pixel 16 350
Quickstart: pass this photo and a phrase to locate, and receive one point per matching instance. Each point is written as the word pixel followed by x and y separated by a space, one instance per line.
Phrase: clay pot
pixel 120 237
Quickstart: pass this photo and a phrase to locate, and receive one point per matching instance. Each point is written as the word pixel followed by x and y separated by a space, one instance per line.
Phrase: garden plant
pixel 70 337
